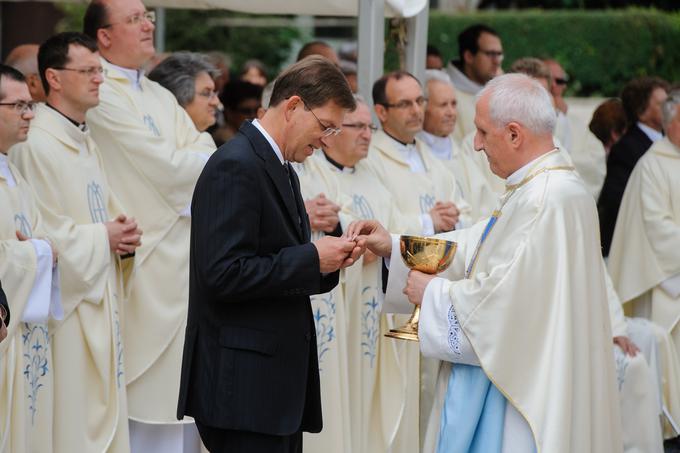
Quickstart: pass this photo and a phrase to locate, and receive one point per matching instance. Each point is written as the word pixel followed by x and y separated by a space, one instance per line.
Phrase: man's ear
pixel 103 38
pixel 380 112
pixel 53 79
pixel 468 56
pixel 515 134
pixel 289 105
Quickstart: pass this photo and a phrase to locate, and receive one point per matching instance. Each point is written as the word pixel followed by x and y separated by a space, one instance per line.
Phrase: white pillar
pixel 416 43
pixel 371 45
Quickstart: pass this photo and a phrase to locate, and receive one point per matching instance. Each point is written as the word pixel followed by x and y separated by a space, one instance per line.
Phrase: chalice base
pixel 405 332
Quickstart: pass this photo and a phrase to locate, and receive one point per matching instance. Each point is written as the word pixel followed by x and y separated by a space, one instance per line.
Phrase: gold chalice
pixel 428 255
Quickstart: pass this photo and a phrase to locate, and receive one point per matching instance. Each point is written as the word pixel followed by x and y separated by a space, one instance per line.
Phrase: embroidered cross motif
pixel 95 200
pixel 22 224
pixel 362 207
pixel 151 125
pixel 426 203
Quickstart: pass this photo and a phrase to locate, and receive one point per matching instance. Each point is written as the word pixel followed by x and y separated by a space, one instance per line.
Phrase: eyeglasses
pixel 362 126
pixel 561 81
pixel 90 72
pixel 136 19
pixel 406 103
pixel 327 130
pixel 207 93
pixel 493 54
pixel 21 107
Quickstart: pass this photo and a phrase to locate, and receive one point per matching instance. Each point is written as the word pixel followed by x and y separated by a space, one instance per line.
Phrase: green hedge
pixel 600 50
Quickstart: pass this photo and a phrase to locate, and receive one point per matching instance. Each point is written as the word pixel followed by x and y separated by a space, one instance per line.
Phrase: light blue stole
pixel 473 415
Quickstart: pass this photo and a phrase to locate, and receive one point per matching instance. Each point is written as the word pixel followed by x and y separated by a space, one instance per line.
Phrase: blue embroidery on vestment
pixel 362 207
pixel 427 202
pixel 95 201
pixel 36 341
pixel 148 120
pixel 370 324
pixel 454 332
pixel 324 323
pixel 22 224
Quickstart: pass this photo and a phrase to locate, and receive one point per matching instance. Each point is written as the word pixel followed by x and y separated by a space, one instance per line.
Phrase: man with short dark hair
pixel 250 374
pixel 152 155
pixel 318 48
pixel 480 54
pixel 27 262
pixel 87 225
pixel 642 99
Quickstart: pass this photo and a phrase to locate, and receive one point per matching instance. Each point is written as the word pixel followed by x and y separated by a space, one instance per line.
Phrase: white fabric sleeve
pixel 671 286
pixel 186 212
pixel 440 334
pixel 427 224
pixel 40 301
pixel 616 316
pixel 395 299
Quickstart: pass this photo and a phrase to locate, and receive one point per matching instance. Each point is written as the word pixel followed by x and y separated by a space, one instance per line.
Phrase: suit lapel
pixel 276 173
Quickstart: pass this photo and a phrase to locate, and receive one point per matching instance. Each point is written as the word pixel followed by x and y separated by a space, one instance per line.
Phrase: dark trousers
pixel 219 440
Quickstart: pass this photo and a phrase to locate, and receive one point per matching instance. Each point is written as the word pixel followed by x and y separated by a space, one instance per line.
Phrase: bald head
pixel 24 58
pixel 318 48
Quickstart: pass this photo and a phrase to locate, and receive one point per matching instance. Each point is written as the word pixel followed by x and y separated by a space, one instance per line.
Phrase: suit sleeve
pixel 227 205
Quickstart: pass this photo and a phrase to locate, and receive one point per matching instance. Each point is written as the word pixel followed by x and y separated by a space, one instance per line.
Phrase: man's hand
pixel 337 253
pixel 444 216
pixel 323 213
pixel 376 237
pixel 628 347
pixel 124 235
pixel 415 286
pixel 55 255
pixel 3 327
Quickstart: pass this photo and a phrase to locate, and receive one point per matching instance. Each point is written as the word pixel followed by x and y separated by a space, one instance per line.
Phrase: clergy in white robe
pixel 643 260
pixel 152 155
pixel 441 116
pixel 522 311
pixel 377 373
pixel 330 321
pixel 419 183
pixel 27 261
pixel 64 167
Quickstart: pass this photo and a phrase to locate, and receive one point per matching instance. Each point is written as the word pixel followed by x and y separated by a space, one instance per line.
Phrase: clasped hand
pixel 124 235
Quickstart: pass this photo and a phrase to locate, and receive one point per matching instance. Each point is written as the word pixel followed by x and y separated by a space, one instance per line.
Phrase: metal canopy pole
pixel 416 43
pixel 371 45
pixel 159 33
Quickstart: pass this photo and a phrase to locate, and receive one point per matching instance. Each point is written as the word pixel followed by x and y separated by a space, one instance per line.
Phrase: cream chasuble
pixel 533 314
pixel 643 259
pixel 465 122
pixel 377 365
pixel 416 194
pixel 64 167
pixel 586 151
pixel 331 322
pixel 152 156
pixel 471 181
pixel 26 365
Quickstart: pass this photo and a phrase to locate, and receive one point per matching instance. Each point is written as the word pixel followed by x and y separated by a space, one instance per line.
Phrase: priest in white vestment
pixel 377 365
pixel 440 120
pixel 152 156
pixel 643 261
pixel 522 311
pixel 64 168
pixel 27 262
pixel 406 167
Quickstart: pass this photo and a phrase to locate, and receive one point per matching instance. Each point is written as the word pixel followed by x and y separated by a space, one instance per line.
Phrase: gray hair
pixel 521 99
pixel 670 107
pixel 436 75
pixel 178 74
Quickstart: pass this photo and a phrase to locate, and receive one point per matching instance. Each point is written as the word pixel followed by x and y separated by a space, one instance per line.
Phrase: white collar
pixel 441 147
pixel 652 133
pixel 5 171
pixel 461 81
pixel 271 141
pixel 133 75
pixel 519 175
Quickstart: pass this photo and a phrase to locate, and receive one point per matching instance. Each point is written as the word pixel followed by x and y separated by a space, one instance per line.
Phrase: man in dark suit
pixel 250 374
pixel 642 99
pixel 4 314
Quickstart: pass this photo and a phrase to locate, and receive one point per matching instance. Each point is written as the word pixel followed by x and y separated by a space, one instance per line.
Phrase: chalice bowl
pixel 428 255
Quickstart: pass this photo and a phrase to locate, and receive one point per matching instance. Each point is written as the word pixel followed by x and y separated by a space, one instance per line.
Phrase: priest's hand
pixel 626 345
pixel 415 286
pixel 124 235
pixel 376 237
pixel 55 255
pixel 337 253
pixel 323 213
pixel 444 216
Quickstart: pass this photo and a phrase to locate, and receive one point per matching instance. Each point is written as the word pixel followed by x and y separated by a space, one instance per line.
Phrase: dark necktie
pixel 289 171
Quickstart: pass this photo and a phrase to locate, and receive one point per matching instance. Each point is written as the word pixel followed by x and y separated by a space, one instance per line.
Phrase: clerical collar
pixel 399 141
pixel 650 132
pixel 336 164
pixel 519 175
pixel 460 80
pixel 269 139
pixel 5 171
pixel 441 147
pixel 133 75
pixel 81 126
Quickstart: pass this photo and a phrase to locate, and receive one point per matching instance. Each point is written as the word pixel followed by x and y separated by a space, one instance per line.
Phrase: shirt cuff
pixel 40 300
